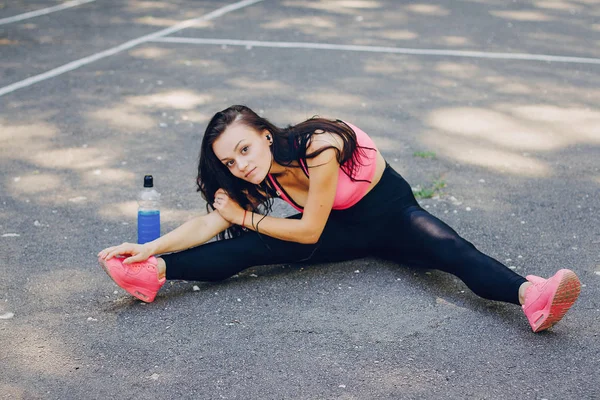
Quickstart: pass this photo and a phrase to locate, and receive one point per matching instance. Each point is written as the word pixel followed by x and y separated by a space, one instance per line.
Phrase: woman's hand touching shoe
pixel 136 252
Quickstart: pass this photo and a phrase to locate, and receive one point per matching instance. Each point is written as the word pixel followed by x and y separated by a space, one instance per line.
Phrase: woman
pixel 352 204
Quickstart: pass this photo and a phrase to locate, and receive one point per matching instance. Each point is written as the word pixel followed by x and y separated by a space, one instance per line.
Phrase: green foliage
pixel 424 154
pixel 429 191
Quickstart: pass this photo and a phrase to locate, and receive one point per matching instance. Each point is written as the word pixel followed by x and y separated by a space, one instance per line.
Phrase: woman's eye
pixel 229 163
pixel 244 149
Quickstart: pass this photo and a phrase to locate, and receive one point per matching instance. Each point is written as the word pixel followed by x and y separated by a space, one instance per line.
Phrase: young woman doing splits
pixel 351 204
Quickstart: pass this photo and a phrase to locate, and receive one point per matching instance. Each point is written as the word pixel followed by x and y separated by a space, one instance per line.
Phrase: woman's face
pixel 245 152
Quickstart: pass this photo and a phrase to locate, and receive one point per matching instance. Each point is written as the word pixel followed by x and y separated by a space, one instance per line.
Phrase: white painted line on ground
pixel 43 11
pixel 125 46
pixel 379 49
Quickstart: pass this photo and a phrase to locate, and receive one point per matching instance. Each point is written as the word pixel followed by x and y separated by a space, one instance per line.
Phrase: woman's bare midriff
pixel 378 171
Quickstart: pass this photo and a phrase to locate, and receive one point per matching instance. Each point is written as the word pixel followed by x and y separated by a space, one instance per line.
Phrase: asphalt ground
pixel 514 125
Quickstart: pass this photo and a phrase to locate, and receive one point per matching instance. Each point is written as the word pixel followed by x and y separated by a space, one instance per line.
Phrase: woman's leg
pixel 424 240
pixel 222 259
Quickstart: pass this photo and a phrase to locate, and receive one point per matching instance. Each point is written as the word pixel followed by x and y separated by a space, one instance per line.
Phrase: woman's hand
pixel 137 252
pixel 228 208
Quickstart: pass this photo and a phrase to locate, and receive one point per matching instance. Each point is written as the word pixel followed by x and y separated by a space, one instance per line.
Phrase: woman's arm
pixel 194 232
pixel 321 195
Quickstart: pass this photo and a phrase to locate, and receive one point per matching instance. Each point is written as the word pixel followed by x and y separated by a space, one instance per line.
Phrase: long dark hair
pixel 289 145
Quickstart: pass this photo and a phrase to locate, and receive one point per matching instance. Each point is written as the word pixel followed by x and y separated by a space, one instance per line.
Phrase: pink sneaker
pixel 139 279
pixel 547 300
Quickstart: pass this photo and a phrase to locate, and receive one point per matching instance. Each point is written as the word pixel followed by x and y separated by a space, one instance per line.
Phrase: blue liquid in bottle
pixel 148 221
pixel 148 225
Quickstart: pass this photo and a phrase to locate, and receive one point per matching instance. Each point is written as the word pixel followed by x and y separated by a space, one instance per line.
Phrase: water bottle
pixel 148 221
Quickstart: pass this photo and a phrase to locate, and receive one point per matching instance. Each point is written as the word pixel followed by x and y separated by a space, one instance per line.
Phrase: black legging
pixel 387 222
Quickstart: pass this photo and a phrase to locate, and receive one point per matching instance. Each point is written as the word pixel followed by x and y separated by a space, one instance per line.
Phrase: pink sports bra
pixel 348 192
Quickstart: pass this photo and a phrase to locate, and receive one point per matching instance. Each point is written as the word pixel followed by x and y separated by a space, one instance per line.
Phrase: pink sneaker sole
pixel 566 293
pixel 115 269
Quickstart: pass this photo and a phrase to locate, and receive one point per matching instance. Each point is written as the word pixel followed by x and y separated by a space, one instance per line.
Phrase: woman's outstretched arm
pixel 194 232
